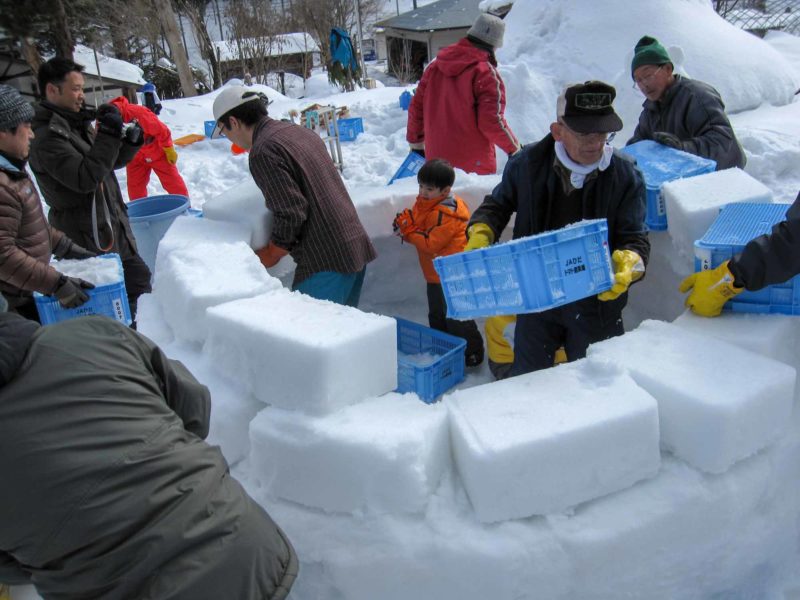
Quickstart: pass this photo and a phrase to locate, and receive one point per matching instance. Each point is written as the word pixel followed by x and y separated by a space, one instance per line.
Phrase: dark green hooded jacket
pixel 108 489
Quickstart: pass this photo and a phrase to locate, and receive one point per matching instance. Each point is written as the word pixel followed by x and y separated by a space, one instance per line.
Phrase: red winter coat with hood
pixel 156 135
pixel 457 110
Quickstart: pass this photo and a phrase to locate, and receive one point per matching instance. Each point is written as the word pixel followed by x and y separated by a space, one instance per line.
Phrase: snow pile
pixel 98 270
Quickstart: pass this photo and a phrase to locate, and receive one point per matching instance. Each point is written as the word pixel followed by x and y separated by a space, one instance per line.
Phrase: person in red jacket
pixel 157 154
pixel 457 111
pixel 437 226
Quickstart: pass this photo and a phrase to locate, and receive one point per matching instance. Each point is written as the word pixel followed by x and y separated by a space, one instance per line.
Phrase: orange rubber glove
pixel 710 290
pixel 172 156
pixel 403 223
pixel 270 254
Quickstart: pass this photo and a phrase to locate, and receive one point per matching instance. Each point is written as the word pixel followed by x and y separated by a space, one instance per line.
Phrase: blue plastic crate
pixel 661 164
pixel 735 226
pixel 410 167
pixel 349 128
pixel 110 300
pixel 430 379
pixel 530 274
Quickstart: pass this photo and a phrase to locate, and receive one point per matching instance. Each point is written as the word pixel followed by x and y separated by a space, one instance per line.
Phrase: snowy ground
pixel 686 529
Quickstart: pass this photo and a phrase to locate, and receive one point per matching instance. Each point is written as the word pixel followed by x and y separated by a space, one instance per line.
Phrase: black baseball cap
pixel 587 107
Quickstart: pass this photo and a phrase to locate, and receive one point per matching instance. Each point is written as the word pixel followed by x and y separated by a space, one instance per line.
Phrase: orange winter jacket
pixel 440 229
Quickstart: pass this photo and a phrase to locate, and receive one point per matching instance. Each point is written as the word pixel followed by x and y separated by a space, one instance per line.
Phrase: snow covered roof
pixel 110 68
pixel 279 45
pixel 444 14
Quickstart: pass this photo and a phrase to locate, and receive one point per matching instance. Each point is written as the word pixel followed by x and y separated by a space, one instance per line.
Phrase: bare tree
pixel 318 17
pixel 196 11
pixel 255 29
pixel 170 25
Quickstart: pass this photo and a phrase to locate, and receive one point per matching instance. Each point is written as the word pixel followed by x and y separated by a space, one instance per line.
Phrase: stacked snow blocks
pixel 693 203
pixel 542 442
pixel 717 403
pixel 386 455
pixel 327 440
pixel 191 279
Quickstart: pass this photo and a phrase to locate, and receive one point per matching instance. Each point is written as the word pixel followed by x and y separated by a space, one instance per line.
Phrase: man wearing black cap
pixel 679 112
pixel 572 174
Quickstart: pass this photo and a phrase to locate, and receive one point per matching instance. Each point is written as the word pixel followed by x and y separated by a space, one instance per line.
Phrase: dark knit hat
pixel 649 51
pixel 587 107
pixel 14 109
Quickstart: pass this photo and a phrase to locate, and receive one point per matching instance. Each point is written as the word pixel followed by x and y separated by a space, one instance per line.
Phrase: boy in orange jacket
pixel 157 154
pixel 436 226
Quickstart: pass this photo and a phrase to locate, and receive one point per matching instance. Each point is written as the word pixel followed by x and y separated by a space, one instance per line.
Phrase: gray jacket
pixel 693 111
pixel 109 491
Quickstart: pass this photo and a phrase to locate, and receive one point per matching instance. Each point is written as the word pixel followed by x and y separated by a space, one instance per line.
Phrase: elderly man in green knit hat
pixel 680 112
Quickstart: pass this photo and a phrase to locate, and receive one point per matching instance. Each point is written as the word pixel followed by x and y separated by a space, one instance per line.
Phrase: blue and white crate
pixel 110 300
pixel 410 167
pixel 529 274
pixel 660 164
pixel 735 226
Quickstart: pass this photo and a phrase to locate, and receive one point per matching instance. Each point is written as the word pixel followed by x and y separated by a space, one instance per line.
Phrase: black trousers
pixel 137 282
pixel 468 330
pixel 574 326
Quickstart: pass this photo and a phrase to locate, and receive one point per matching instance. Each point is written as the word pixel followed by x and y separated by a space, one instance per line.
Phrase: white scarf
pixel 579 172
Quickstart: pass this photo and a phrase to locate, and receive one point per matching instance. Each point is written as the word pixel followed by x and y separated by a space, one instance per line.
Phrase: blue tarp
pixel 342 49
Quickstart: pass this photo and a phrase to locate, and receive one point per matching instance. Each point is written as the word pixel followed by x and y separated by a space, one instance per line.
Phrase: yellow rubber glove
pixel 172 156
pixel 479 236
pixel 5 592
pixel 628 267
pixel 560 356
pixel 710 290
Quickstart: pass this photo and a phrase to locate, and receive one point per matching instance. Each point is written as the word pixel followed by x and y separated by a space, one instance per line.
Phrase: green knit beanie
pixel 649 51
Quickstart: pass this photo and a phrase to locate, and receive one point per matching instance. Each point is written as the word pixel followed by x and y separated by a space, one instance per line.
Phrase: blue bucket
pixel 150 218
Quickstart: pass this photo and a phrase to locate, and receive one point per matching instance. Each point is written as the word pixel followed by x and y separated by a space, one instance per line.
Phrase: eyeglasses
pixel 590 138
pixel 637 82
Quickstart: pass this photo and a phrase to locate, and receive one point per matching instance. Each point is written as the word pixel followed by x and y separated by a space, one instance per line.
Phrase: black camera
pixel 132 133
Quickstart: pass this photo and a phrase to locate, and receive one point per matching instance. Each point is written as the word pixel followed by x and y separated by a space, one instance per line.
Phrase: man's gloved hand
pixel 69 291
pixel 628 267
pixel 479 235
pixel 667 139
pixel 710 290
pixel 419 148
pixel 270 254
pixel 172 156
pixel 109 120
pixel 403 223
pixel 66 248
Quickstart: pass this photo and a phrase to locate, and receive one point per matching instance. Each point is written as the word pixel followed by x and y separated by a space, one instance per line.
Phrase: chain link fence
pixel 759 16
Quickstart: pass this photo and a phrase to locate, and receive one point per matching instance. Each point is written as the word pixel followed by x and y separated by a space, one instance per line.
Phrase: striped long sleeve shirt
pixel 313 215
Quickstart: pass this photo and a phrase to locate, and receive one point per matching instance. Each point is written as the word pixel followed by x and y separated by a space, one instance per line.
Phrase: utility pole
pixel 360 39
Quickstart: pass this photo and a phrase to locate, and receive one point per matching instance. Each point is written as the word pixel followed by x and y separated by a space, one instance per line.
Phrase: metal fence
pixel 759 16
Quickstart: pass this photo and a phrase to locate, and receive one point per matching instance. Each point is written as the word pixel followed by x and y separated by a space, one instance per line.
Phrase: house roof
pixel 278 45
pixel 444 14
pixel 110 68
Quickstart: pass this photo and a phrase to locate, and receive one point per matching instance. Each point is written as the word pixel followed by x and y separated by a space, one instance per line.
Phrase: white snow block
pixel 717 403
pixel 300 353
pixel 189 280
pixel 386 455
pixel 545 441
pixel 187 231
pixel 693 203
pixel 773 336
pixel 243 204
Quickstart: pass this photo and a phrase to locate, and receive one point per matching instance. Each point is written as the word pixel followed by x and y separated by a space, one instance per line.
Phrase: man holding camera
pixel 74 165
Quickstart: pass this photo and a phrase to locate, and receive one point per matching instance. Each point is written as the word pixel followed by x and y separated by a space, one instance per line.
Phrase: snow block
pixel 244 204
pixel 693 203
pixel 300 353
pixel 191 279
pixel 545 441
pixel 717 403
pixel 386 455
pixel 186 231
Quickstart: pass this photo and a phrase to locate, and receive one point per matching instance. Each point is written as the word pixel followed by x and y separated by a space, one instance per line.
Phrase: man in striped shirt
pixel 314 219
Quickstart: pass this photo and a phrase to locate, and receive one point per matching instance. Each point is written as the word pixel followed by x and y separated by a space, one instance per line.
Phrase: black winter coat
pixel 74 166
pixel 528 189
pixel 694 112
pixel 772 258
pixel 108 490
